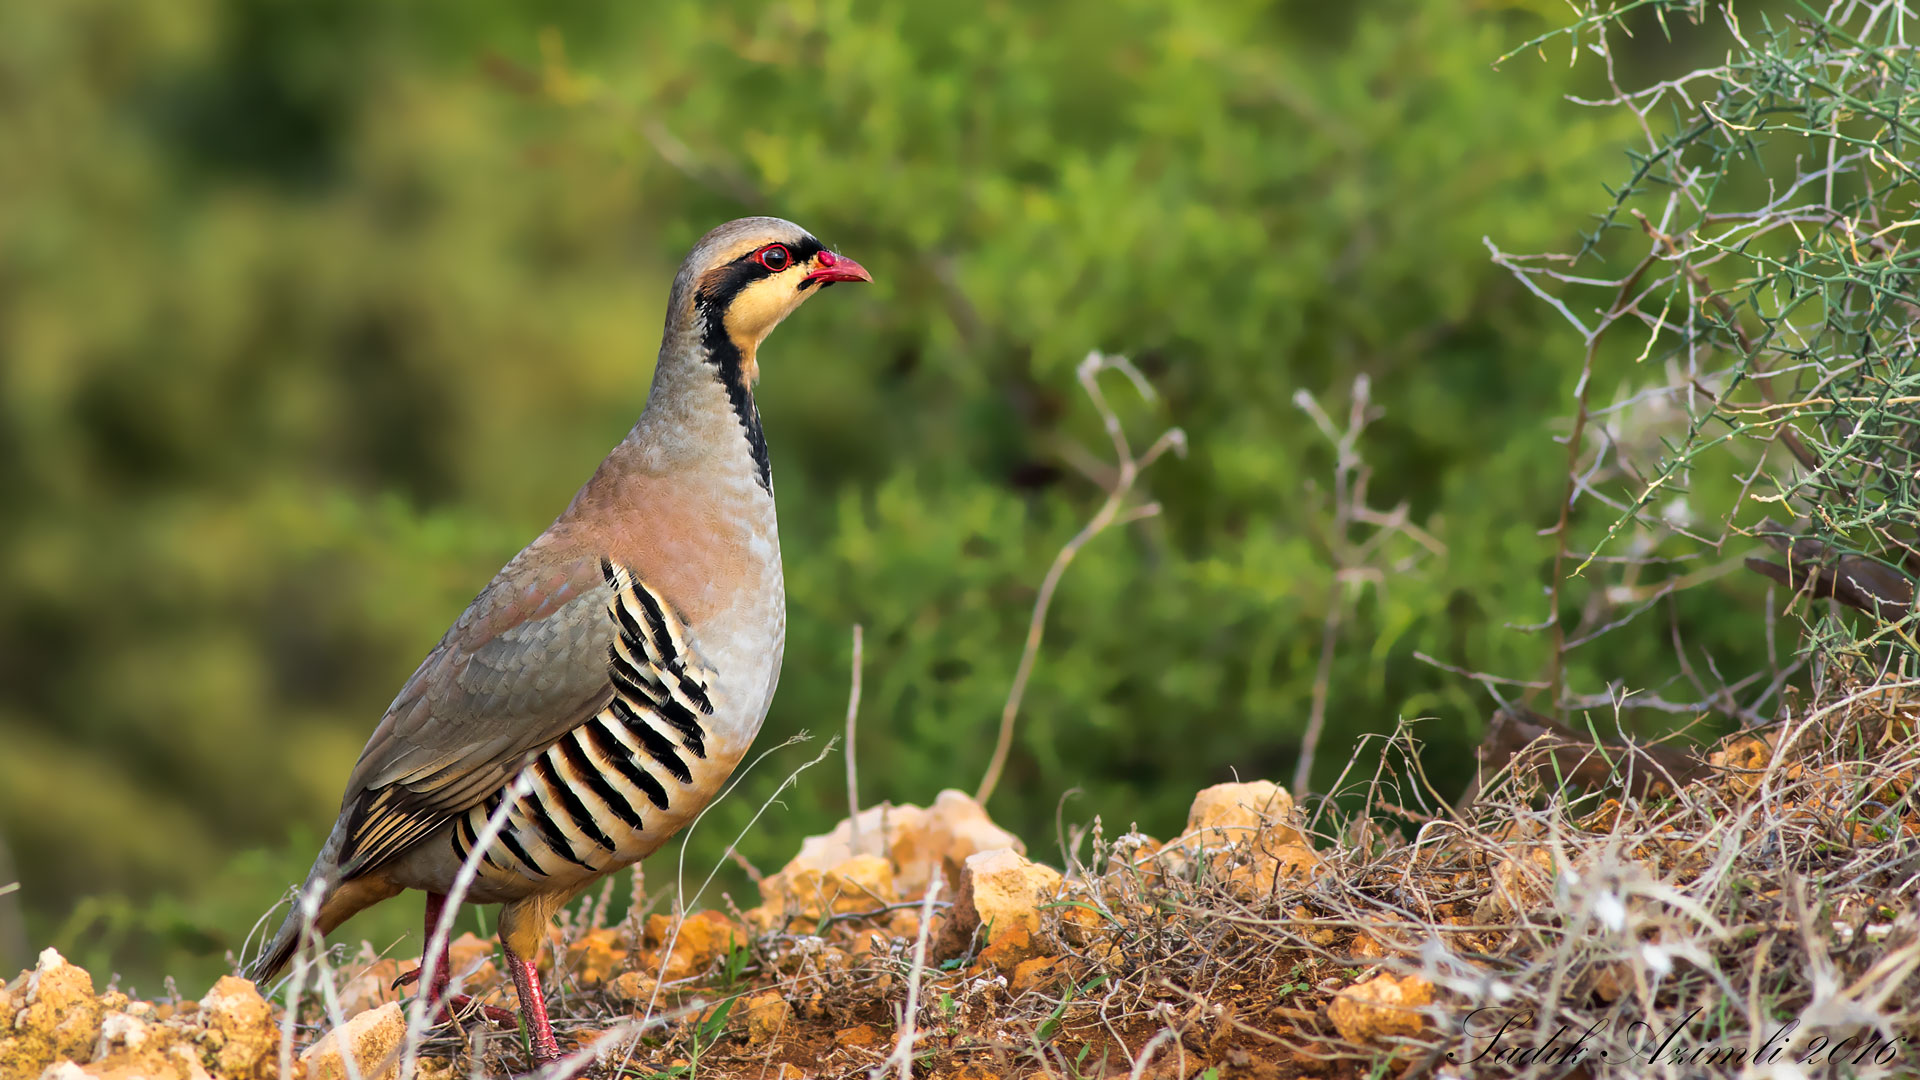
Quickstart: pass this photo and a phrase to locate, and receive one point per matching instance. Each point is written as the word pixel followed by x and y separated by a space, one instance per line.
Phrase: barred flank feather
pixel 593 788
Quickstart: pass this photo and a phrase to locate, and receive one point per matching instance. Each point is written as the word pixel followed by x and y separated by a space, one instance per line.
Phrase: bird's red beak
pixel 829 268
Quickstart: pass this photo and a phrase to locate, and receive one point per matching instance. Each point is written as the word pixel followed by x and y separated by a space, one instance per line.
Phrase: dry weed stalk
pixel 1113 512
pixel 902 1057
pixel 1359 558
pixel 684 903
pixel 853 767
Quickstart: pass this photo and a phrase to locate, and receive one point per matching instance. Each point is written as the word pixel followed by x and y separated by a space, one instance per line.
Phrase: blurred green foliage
pixel 311 313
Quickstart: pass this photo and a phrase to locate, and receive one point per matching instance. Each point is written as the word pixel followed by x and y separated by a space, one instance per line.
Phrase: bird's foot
pixel 460 1006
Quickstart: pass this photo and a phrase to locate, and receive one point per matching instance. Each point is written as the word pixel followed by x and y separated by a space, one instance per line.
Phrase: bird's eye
pixel 775 257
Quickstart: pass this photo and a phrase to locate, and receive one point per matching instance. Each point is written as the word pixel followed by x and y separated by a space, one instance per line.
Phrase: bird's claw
pixel 463 1004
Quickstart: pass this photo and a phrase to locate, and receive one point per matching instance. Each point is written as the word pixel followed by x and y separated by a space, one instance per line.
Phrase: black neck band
pixel 730 369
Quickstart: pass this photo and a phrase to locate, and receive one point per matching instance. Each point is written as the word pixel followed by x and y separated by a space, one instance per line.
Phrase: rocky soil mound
pixel 1247 946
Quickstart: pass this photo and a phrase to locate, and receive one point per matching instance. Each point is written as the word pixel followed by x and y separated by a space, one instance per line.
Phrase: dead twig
pixel 1113 511
pixel 1358 540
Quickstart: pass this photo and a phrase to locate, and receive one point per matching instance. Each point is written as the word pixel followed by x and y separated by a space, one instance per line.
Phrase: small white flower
pixel 1610 911
pixel 1658 959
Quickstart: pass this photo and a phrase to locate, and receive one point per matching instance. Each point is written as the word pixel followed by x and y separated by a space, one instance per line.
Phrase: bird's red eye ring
pixel 775 257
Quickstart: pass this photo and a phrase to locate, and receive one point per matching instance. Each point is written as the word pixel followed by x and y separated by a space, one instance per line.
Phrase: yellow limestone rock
pixel 1249 832
pixel 240 1035
pixel 1266 869
pixel 596 956
pixel 1002 891
pixel 766 1016
pixel 1366 946
pixel 373 1039
pixel 1039 973
pixel 58 1019
pixel 1380 1008
pixel 1011 948
pixel 861 883
pixel 181 1064
pixel 956 828
pixel 370 985
pixel 702 938
pixel 1227 814
pixel 916 842
pixel 138 1047
pixel 859 1035
pixel 124 1033
pixel 632 988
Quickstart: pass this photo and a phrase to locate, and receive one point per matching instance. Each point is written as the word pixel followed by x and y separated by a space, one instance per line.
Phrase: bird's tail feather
pixel 334 902
pixel 320 886
pixel 279 949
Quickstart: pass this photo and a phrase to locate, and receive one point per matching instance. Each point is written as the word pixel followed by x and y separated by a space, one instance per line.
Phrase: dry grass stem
pixel 853 768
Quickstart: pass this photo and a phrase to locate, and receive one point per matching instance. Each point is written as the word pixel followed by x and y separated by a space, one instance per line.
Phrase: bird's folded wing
pixel 522 666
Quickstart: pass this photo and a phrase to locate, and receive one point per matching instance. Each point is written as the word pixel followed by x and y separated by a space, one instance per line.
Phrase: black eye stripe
pixel 798 251
pixel 722 286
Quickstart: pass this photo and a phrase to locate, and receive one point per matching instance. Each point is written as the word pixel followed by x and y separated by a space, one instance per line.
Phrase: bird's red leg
pixel 446 1007
pixel 442 971
pixel 533 1005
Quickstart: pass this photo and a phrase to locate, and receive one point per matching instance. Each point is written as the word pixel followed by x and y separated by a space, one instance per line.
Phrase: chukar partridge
pixel 623 662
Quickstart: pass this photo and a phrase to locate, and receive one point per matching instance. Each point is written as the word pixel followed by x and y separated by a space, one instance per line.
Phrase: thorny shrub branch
pixel 1769 219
